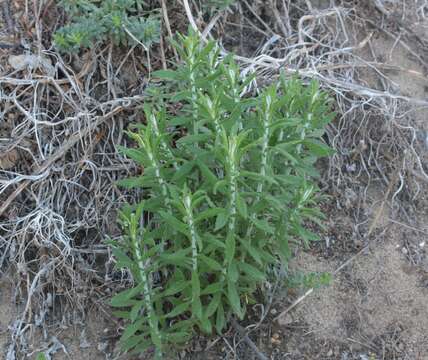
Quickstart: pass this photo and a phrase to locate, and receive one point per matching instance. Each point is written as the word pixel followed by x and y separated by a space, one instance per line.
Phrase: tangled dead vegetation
pixel 63 117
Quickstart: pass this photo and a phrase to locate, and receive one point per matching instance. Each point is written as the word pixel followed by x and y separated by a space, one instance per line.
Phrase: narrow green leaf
pixel 182 325
pixel 230 248
pixel 233 296
pixel 214 242
pixel 283 151
pixel 207 173
pixel 122 258
pixel 232 272
pixel 284 247
pixel 166 74
pixel 156 339
pixel 220 320
pixel 212 288
pixel 179 337
pixel 192 139
pixel 196 292
pixel 213 305
pixel 219 186
pixel 174 222
pixel 121 298
pixel 138 155
pixel 262 225
pixel 122 314
pixel 211 263
pixel 242 207
pixel 196 285
pixel 135 311
pixel 131 329
pixel 180 174
pixel 258 177
pixel 176 287
pixel 252 271
pixel 197 308
pixel 207 214
pixel 180 257
pixel 135 341
pixel 318 148
pixel 251 250
pixel 206 325
pixel 134 182
pixel 220 221
pixel 178 310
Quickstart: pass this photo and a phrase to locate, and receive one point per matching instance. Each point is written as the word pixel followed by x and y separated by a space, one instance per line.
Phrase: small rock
pixel 275 339
pixel 102 346
pixel 31 61
pixel 285 320
pixel 351 167
pixel 350 198
pixel 274 312
pixel 198 347
pixel 49 300
pixel 84 344
pixel 9 159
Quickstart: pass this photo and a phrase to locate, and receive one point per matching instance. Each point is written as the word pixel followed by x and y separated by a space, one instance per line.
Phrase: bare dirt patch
pixel 376 305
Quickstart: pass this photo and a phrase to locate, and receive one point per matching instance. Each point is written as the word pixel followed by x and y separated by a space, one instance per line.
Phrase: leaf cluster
pixel 93 21
pixel 229 184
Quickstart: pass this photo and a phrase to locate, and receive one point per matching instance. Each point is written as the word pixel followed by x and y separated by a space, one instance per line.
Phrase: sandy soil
pixel 377 306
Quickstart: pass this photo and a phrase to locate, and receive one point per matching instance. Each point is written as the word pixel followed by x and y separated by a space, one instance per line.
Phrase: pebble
pixel 274 312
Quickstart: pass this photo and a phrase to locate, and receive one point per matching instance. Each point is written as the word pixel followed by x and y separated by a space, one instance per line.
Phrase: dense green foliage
pixel 121 22
pixel 93 21
pixel 228 184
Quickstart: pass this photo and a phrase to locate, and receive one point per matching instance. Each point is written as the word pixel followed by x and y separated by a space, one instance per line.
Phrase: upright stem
pixel 161 181
pixel 193 234
pixel 192 78
pixel 163 144
pixel 233 183
pixel 136 244
pixel 231 160
pixel 265 142
pixel 264 153
pixel 159 178
pixel 213 112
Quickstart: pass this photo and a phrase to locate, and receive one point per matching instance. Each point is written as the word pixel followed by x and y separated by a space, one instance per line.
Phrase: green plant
pixel 41 356
pixel 309 280
pixel 93 21
pixel 228 188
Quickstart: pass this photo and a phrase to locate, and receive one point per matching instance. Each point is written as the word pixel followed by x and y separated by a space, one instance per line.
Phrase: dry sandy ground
pixel 377 306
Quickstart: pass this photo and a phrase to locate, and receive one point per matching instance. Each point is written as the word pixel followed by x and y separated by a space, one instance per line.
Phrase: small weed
pixel 309 280
pixel 228 183
pixel 92 22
